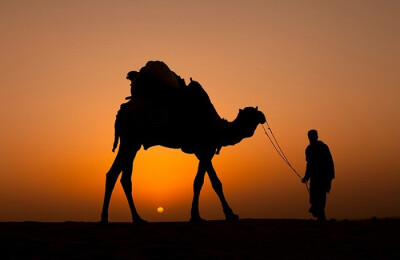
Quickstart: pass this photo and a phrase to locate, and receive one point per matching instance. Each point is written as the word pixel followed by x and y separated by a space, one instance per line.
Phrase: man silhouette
pixel 320 171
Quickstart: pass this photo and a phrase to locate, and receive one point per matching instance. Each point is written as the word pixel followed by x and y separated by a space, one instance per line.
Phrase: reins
pixel 279 150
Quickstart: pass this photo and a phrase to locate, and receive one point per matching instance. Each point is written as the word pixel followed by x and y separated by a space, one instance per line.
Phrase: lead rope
pixel 278 149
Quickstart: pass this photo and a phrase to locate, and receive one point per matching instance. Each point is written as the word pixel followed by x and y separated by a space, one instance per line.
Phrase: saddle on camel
pixel 162 105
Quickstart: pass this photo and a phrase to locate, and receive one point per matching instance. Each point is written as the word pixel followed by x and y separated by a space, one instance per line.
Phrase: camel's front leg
pixel 197 185
pixel 217 186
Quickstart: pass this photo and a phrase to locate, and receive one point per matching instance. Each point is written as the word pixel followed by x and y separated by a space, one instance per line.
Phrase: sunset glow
pixel 331 66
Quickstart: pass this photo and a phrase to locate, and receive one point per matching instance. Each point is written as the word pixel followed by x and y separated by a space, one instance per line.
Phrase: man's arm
pixel 307 173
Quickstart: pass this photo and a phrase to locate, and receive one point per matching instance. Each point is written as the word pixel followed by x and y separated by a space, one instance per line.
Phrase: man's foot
pixel 313 211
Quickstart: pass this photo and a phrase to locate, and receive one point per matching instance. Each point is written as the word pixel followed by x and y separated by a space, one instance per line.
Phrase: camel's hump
pixel 160 72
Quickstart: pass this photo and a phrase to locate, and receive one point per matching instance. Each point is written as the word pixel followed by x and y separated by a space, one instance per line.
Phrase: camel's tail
pixel 115 145
pixel 117 126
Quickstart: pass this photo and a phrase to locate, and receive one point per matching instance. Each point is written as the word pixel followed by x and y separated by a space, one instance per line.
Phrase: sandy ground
pixel 244 239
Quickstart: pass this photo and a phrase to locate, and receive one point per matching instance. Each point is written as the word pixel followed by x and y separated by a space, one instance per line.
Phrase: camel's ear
pixel 191 79
pixel 257 108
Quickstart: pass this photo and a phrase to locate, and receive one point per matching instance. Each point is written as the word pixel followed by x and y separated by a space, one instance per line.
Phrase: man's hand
pixel 304 180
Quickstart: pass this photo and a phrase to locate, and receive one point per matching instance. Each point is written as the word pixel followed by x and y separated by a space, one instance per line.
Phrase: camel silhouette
pixel 181 118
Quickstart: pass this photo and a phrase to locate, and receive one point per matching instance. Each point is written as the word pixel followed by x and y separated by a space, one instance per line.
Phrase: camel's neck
pixel 236 131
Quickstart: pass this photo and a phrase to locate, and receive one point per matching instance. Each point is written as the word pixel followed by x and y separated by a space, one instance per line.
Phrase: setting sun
pixel 160 210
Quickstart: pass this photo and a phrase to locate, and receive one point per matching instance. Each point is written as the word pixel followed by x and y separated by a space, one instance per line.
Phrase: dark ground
pixel 244 239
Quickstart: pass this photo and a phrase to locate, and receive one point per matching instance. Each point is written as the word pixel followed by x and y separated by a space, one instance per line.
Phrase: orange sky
pixel 329 66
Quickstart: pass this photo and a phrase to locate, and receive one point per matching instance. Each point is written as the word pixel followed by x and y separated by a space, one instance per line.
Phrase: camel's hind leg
pixel 111 179
pixel 126 183
pixel 217 186
pixel 123 162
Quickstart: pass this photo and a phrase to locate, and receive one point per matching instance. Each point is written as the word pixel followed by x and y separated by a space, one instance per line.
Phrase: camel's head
pixel 251 115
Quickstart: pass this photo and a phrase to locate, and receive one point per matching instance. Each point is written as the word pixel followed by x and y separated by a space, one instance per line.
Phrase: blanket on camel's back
pixel 164 110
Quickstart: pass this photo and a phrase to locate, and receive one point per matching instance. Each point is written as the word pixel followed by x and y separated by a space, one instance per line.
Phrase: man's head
pixel 312 135
pixel 132 75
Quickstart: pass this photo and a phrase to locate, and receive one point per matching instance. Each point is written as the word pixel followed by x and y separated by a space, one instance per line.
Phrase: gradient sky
pixel 329 65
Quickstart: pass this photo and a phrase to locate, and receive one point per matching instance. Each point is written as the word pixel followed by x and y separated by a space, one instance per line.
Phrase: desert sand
pixel 243 239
